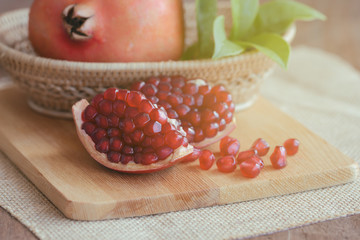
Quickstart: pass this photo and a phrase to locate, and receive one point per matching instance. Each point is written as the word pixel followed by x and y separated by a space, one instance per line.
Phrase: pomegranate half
pixel 107 30
pixel 124 131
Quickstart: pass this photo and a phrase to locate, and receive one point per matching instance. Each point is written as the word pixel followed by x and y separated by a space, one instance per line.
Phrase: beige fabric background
pixel 319 90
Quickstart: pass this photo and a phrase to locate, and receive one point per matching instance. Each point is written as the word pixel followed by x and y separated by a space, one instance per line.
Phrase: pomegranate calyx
pixel 78 22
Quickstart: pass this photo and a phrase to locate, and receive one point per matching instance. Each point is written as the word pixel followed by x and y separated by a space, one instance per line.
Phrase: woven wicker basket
pixel 52 86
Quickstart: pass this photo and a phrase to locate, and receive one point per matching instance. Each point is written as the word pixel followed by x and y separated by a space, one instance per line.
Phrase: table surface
pixel 339 35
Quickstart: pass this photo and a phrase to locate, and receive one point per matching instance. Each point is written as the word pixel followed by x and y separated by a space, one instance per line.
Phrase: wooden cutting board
pixel 49 153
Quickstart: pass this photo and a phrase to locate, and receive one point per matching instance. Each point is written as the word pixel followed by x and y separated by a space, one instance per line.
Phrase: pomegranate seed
pixel 182 110
pixel 199 100
pixel 222 124
pixel 105 107
pixel 190 88
pixel 250 168
pixel 204 89
pixel 244 155
pixel 138 149
pixel 103 145
pixel 190 133
pixel 116 144
pixel 137 136
pixel 178 82
pixel 206 159
pixel 149 90
pixel 167 127
pixel 122 94
pixel 220 108
pixel 88 127
pixel 210 129
pixel 261 146
pixel 226 164
pixel 164 152
pixel 193 156
pixel 224 96
pixel 127 139
pixel 209 100
pixel 146 142
pixel 89 113
pixel 101 121
pixel 113 120
pixel 141 119
pixel 165 79
pixel 136 86
pixel 134 98
pixel 165 86
pixel 119 107
pixel 159 114
pixel 110 94
pixel 127 150
pixel 158 141
pixel 164 104
pixel 278 157
pixel 127 125
pixel 98 134
pixel 113 132
pixel 188 100
pixel 230 147
pixel 208 115
pixel 149 158
pixel 146 106
pixel 154 99
pixel 114 157
pixel 199 135
pixel 176 92
pixel 218 88
pixel 162 95
pixel 153 80
pixel 174 100
pixel 173 139
pixel 231 107
pixel 292 146
pixel 228 116
pixel 152 127
pixel 131 112
pixel 194 118
pixel 172 113
pixel 125 159
pixel 95 101
pixel 148 150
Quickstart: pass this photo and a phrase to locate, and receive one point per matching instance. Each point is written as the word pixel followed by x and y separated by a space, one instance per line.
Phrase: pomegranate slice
pixel 205 112
pixel 129 141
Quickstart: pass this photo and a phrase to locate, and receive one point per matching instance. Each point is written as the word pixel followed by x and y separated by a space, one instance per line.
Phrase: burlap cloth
pixel 319 89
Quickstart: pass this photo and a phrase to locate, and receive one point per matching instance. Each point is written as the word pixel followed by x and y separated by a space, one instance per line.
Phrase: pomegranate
pixel 123 131
pixel 107 30
pixel 205 112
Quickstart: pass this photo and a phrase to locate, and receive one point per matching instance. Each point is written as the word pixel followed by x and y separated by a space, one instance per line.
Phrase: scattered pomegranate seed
pixel 250 168
pixel 229 146
pixel 226 164
pixel 206 159
pixel 278 157
pixel 292 146
pixel 244 155
pixel 261 146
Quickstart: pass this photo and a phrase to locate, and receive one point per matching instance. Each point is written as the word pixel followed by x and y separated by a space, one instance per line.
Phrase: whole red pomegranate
pixel 107 30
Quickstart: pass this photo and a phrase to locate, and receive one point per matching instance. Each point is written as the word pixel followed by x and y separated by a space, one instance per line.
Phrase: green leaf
pixel 272 45
pixel 244 13
pixel 192 52
pixel 276 16
pixel 205 16
pixel 223 47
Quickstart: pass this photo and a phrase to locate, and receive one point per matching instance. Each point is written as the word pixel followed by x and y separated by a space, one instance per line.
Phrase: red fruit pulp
pixel 292 146
pixel 278 157
pixel 244 155
pixel 250 168
pixel 206 159
pixel 226 164
pixel 261 146
pixel 229 146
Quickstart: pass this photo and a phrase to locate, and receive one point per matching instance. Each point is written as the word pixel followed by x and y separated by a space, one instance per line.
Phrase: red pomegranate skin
pixel 123 31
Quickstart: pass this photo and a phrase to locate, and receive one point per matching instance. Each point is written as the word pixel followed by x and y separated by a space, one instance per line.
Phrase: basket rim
pixel 100 66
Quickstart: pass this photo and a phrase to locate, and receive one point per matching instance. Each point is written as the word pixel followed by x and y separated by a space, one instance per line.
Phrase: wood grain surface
pixel 340 35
